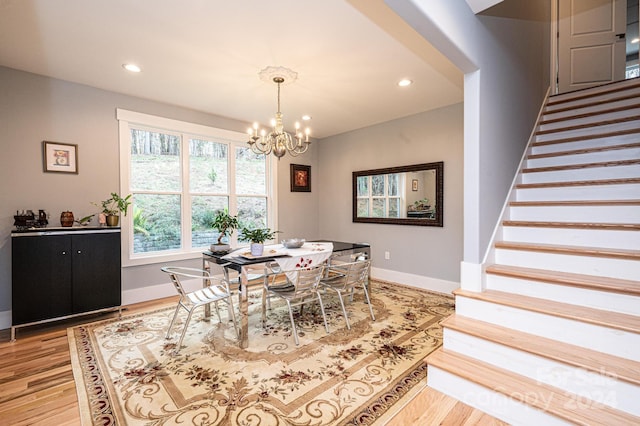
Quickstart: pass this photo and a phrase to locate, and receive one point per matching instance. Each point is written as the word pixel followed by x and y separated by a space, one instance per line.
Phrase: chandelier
pixel 278 141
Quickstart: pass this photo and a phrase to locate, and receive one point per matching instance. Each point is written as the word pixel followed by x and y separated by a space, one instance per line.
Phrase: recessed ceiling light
pixel 131 67
pixel 635 40
pixel 404 82
pixel 306 117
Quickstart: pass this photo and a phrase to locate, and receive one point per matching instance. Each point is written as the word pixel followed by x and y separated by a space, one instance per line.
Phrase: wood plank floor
pixel 37 387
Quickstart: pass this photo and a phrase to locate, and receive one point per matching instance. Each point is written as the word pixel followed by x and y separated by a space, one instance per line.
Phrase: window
pixel 379 195
pixel 180 174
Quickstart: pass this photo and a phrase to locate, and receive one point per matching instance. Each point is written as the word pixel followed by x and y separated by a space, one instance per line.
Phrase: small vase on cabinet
pixel 66 219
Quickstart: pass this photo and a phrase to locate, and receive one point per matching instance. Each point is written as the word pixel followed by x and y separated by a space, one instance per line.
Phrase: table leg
pixel 205 267
pixel 244 308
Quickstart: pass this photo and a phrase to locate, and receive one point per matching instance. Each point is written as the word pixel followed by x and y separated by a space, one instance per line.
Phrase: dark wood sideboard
pixel 58 273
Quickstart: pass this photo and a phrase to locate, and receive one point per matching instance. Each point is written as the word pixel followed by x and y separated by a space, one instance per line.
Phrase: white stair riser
pixel 573 237
pixel 493 403
pixel 581 174
pixel 630 112
pixel 588 131
pixel 602 94
pixel 586 158
pixel 586 143
pixel 576 213
pixel 587 386
pixel 624 269
pixel 611 341
pixel 627 191
pixel 615 302
pixel 548 115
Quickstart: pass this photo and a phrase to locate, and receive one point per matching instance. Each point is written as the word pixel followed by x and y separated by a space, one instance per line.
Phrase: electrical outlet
pixel 387 256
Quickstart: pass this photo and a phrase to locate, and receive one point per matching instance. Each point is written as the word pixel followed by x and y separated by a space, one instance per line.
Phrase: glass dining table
pixel 311 253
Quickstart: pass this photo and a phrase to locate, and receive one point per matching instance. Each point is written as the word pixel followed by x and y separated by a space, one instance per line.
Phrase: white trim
pixel 471 276
pixel 5 319
pixel 172 125
pixel 419 281
pixel 128 119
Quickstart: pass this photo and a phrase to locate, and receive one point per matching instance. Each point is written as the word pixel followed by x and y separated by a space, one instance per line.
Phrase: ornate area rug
pixel 126 373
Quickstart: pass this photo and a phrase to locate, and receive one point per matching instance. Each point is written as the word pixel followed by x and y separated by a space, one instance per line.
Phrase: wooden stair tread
pixel 589 125
pixel 556 401
pixel 582 166
pixel 587 137
pixel 574 225
pixel 589 114
pixel 580 94
pixel 620 368
pixel 608 284
pixel 572 250
pixel 583 151
pixel 575 203
pixel 622 181
pixel 548 111
pixel 584 314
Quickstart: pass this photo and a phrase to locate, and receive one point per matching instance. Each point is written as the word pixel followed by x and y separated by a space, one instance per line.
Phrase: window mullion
pixel 185 199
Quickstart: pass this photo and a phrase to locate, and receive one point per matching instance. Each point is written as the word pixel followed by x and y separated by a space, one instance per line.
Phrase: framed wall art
pixel 414 185
pixel 59 157
pixel 300 178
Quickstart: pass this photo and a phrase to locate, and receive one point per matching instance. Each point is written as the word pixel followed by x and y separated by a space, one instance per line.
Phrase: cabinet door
pixel 41 278
pixel 96 271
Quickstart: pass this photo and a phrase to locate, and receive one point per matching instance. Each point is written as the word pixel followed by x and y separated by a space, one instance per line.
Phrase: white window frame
pixel 128 119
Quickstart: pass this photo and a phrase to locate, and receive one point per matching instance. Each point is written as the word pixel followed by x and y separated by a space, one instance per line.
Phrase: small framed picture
pixel 300 178
pixel 414 185
pixel 59 157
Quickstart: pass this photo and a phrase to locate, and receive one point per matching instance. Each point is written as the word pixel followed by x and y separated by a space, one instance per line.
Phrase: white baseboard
pixel 5 320
pixel 419 281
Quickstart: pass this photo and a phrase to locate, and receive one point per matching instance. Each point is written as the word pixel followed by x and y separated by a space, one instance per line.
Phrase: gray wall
pixel 506 64
pixel 35 108
pixel 424 138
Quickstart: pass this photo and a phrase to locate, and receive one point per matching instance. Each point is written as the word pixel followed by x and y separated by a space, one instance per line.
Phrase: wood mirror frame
pixel 409 182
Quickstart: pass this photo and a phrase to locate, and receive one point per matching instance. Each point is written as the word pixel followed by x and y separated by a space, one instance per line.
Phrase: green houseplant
pixel 257 237
pixel 224 223
pixel 113 206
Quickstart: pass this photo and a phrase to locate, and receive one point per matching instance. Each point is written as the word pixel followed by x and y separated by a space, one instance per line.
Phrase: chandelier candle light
pixel 278 141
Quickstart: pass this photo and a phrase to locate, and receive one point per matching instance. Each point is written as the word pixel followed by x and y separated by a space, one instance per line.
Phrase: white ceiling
pixel 206 55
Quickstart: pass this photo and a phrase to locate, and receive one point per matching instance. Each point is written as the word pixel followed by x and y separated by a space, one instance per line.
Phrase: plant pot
pixel 220 248
pixel 113 220
pixel 257 249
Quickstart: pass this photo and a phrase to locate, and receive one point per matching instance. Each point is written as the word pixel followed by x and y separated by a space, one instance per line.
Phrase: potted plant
pixel 224 223
pixel 113 206
pixel 257 237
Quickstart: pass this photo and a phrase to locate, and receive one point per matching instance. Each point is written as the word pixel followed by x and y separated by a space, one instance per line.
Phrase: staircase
pixel 554 337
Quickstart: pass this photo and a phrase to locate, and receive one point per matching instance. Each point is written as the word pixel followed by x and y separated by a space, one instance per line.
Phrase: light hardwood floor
pixel 37 387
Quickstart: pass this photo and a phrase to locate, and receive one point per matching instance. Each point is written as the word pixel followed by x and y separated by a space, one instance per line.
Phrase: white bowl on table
pixel 293 243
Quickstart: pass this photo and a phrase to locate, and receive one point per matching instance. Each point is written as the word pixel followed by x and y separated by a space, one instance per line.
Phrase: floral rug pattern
pixel 126 373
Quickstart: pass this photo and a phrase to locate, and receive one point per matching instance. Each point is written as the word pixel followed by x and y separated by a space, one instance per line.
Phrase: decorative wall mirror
pixel 407 195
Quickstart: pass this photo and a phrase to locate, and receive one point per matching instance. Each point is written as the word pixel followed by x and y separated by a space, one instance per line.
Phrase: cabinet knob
pixel 79 251
pixel 64 252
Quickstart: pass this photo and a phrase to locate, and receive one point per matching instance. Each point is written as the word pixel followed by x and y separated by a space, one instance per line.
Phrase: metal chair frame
pixel 345 277
pixel 299 288
pixel 217 290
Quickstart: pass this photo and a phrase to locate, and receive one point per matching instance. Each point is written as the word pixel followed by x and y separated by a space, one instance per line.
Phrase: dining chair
pixel 216 290
pixel 296 287
pixel 345 277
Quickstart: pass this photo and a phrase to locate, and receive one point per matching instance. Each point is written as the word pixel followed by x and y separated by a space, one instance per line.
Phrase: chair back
pixel 354 272
pixel 217 284
pixel 305 281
